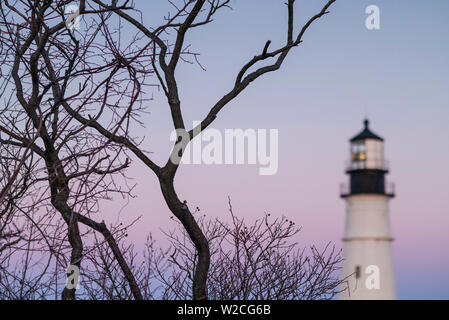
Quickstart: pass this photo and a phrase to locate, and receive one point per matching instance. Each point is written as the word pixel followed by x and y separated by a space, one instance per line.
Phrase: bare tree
pixel 189 14
pixel 73 169
pixel 76 100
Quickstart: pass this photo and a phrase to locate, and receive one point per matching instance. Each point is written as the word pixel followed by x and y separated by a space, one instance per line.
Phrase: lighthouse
pixel 368 265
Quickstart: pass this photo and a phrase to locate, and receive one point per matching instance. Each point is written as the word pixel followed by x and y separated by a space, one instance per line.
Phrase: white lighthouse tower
pixel 368 264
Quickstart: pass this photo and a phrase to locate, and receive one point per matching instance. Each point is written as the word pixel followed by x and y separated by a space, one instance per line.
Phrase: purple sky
pixel 397 75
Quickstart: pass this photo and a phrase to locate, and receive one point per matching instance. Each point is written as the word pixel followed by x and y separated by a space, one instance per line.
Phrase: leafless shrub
pixel 258 261
pixel 249 261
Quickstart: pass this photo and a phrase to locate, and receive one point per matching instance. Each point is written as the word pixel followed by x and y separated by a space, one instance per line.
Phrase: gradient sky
pixel 397 75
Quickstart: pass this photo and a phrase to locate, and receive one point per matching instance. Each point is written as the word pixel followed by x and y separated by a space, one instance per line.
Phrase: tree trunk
pixel 108 236
pixel 75 242
pixel 182 212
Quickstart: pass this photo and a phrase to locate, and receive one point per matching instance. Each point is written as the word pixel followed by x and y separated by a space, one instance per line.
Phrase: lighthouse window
pixel 358 152
pixel 357 272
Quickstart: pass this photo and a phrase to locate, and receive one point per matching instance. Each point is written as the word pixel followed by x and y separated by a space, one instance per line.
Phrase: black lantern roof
pixel 366 134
